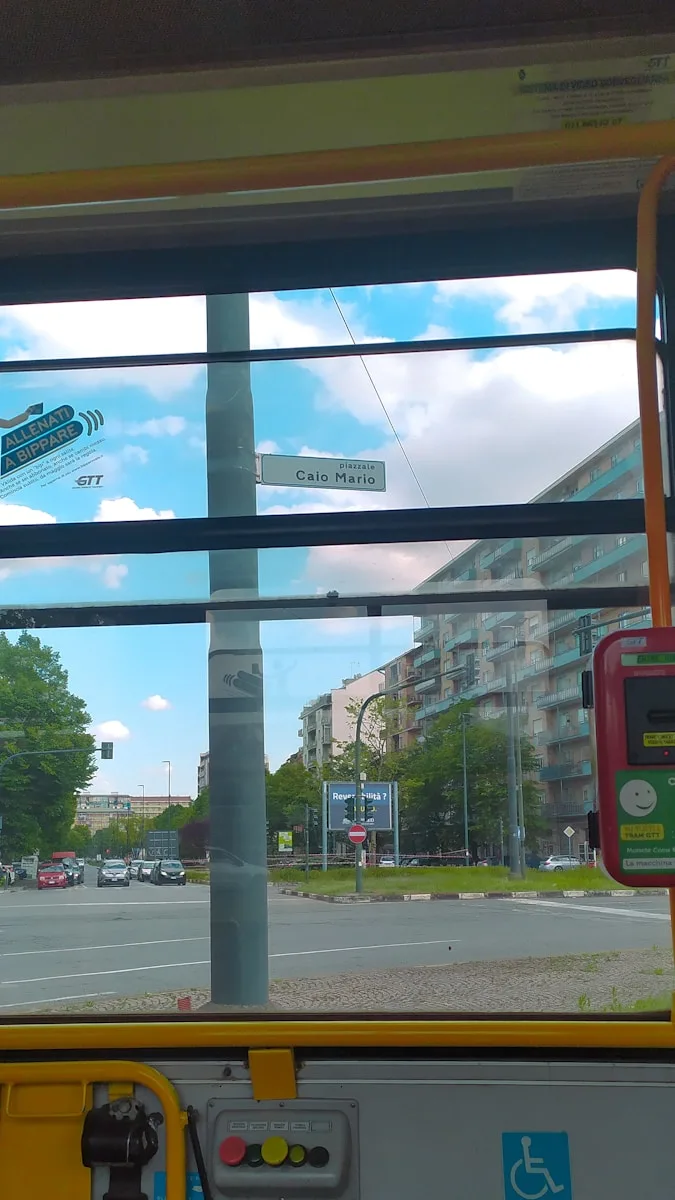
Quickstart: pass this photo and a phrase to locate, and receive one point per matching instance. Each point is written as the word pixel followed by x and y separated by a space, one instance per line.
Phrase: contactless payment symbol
pixel 536 1166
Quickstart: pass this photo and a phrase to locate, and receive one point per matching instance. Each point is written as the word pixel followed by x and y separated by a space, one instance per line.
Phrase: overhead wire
pixel 383 406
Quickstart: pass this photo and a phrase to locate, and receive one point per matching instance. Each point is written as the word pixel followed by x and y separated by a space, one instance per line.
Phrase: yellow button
pixel 274 1151
pixel 297 1155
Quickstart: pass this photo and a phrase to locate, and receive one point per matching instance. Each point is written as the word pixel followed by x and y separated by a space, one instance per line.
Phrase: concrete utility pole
pixel 239 967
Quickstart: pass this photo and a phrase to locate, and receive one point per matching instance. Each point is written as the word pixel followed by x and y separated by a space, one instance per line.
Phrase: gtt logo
pixel 86 481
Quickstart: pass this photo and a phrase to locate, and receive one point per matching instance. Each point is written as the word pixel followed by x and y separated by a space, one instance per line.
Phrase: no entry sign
pixel 357 834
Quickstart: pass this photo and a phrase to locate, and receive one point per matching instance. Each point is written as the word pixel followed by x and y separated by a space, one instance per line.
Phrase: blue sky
pixel 485 428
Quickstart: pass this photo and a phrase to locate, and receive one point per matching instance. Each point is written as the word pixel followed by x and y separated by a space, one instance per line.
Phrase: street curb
pixel 626 893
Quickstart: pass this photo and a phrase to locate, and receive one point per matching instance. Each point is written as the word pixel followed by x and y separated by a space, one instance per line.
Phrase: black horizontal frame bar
pixel 300 353
pixel 390 526
pixel 319 607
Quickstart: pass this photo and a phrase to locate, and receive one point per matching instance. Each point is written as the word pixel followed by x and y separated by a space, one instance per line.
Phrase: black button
pixel 254 1156
pixel 318 1156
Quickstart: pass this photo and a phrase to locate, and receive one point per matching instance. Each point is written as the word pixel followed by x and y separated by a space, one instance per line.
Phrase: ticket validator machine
pixel 634 702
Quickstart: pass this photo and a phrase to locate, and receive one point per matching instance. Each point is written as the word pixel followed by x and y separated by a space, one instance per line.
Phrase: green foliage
pixel 432 785
pixel 37 793
pixel 288 791
pixel 79 840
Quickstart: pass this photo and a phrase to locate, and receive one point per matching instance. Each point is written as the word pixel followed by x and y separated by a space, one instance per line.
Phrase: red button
pixel 232 1151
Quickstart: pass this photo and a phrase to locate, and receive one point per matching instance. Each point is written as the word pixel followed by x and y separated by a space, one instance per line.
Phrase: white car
pixel 559 862
pixel 387 860
pixel 135 867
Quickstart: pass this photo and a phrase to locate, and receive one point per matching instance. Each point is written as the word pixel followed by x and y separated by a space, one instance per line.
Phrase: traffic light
pixel 585 634
pixel 369 808
pixel 350 808
pixel 106 749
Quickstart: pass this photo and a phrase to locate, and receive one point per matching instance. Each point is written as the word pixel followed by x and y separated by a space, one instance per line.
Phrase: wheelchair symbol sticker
pixel 536 1166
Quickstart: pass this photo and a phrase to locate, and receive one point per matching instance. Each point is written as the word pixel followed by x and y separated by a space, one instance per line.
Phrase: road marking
pixel 348 949
pixel 104 904
pixel 110 946
pixel 596 908
pixel 57 999
pixel 205 962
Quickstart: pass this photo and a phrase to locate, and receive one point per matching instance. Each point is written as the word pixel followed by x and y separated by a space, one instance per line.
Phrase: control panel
pixel 634 698
pixel 283 1148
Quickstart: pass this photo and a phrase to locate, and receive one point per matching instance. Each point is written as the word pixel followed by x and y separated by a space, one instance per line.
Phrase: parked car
pixel 134 867
pixel 51 875
pixel 113 872
pixel 169 870
pixel 559 862
pixel 387 860
pixel 145 870
pixel 74 873
pixel 19 871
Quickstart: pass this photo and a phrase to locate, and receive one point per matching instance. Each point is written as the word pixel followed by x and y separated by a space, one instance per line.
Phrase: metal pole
pixel 464 718
pixel 515 868
pixel 519 768
pixel 238 877
pixel 142 787
pixel 307 842
pixel 395 823
pixel 358 792
pixel 324 826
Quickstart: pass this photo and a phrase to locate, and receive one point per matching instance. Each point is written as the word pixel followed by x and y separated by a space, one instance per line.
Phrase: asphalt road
pixel 87 942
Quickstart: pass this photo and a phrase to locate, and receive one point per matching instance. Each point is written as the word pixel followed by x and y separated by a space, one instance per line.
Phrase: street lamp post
pixel 167 762
pixel 465 781
pixel 142 787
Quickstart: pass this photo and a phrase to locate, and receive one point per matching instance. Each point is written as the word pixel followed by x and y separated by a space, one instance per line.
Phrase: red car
pixel 51 875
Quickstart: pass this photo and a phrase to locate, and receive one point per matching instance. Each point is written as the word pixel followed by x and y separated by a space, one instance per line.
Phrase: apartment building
pixel 326 720
pixel 97 811
pixel 400 674
pixel 203 771
pixel 538 657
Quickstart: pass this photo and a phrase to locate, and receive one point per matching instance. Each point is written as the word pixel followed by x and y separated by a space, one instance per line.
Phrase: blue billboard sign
pixel 375 805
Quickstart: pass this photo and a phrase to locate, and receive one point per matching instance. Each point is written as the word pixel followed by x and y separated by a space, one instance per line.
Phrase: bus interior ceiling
pixel 371 1106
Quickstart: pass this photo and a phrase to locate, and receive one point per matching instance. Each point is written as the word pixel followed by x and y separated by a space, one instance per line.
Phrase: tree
pixel 289 790
pixel 37 792
pixel 79 840
pixel 432 788
pixel 380 722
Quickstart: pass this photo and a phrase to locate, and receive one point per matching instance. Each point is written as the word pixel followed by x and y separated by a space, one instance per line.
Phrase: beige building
pixel 326 721
pixel 97 811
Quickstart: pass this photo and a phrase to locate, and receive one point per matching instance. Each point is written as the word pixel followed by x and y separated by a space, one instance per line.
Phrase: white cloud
pixel 268 446
pixel 114 574
pixel 115 731
pixel 123 508
pixel 540 303
pixel 156 703
pixel 159 427
pixel 134 454
pixel 21 514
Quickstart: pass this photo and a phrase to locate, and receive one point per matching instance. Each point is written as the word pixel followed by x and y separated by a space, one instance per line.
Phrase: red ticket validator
pixel 634 702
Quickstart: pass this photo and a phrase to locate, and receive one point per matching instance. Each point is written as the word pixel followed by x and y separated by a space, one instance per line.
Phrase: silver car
pixel 145 870
pixel 559 862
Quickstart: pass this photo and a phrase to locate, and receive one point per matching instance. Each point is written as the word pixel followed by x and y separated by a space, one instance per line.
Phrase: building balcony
pixel 460 639
pixel 435 708
pixel 427 685
pixel 545 556
pixel 567 770
pixel 570 734
pixel 426 629
pixel 633 545
pixel 553 699
pixel 632 462
pixel 564 809
pixel 564 619
pixel 502 551
pixel 501 618
pixel 549 664
pixel 502 648
pixel 428 656
pixel 498 684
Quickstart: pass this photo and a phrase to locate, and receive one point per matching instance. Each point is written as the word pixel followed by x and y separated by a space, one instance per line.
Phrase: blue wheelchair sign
pixel 536 1166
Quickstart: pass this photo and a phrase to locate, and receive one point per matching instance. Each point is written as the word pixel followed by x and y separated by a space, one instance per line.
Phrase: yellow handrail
pixel 322 168
pixel 113 1071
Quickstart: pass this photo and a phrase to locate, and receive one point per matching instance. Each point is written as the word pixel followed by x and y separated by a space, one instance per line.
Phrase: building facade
pixel 326 721
pixel 97 811
pixel 203 772
pixel 533 656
